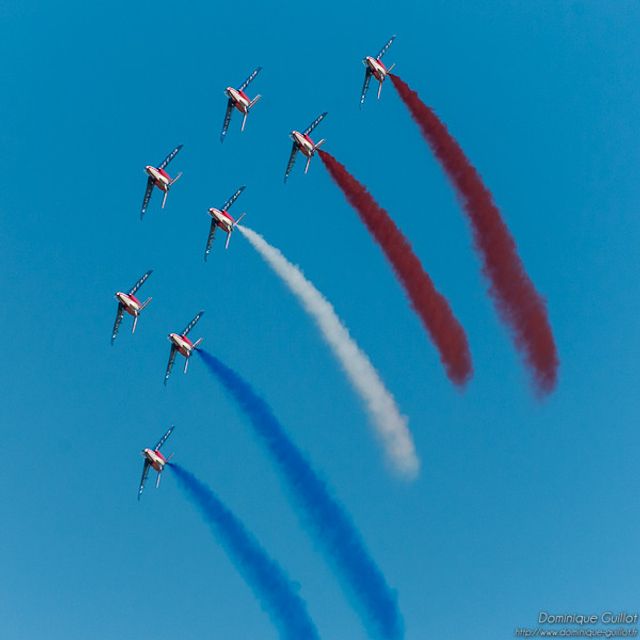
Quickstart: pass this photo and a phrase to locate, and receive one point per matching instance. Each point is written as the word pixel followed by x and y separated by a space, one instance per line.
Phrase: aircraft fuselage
pixel 155 458
pixel 182 344
pixel 130 303
pixel 160 177
pixel 222 219
pixel 240 99
pixel 304 143
pixel 377 68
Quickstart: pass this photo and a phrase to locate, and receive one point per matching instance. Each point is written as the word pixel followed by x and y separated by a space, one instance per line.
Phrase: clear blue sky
pixel 521 506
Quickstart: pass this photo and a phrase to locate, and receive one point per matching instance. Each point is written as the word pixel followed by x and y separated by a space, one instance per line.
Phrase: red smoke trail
pixel 515 296
pixel 433 309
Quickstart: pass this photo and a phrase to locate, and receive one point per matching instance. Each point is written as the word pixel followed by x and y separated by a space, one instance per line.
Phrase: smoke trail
pixel 518 303
pixel 391 427
pixel 270 585
pixel 330 526
pixel 432 307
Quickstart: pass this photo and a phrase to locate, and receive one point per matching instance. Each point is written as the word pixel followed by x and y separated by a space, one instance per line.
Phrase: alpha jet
pixel 375 67
pixel 304 144
pixel 153 459
pixel 181 344
pixel 241 101
pixel 129 303
pixel 159 178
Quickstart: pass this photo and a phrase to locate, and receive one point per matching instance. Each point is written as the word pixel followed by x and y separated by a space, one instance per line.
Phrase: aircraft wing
pixel 365 86
pixel 192 323
pixel 116 324
pixel 233 198
pixel 140 282
pixel 170 157
pixel 227 119
pixel 212 233
pixel 314 124
pixel 172 359
pixel 386 47
pixel 147 197
pixel 163 439
pixel 143 479
pixel 245 84
pixel 292 160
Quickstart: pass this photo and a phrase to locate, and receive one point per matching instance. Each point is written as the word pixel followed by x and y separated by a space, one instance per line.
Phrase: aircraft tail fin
pixel 242 215
pixel 244 120
pixel 317 144
pixel 176 178
pixel 158 479
pixel 145 303
pixel 306 168
pixel 164 199
pixel 197 343
pixel 254 101
pixel 135 322
pixel 391 68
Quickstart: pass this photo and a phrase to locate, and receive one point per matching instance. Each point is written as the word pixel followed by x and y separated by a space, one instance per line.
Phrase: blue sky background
pixel 521 505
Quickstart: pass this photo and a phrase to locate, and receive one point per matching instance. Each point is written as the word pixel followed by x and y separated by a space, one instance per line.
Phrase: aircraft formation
pixel 159 178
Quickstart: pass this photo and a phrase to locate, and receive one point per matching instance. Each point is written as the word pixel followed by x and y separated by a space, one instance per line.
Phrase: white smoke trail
pixel 390 425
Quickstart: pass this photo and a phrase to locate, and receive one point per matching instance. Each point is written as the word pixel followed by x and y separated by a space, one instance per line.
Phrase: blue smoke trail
pixel 276 593
pixel 330 525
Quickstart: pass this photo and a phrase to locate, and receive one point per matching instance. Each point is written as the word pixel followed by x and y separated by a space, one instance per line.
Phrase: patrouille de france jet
pixel 375 67
pixel 158 177
pixel 153 459
pixel 129 303
pixel 181 344
pixel 241 101
pixel 304 144
pixel 222 219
